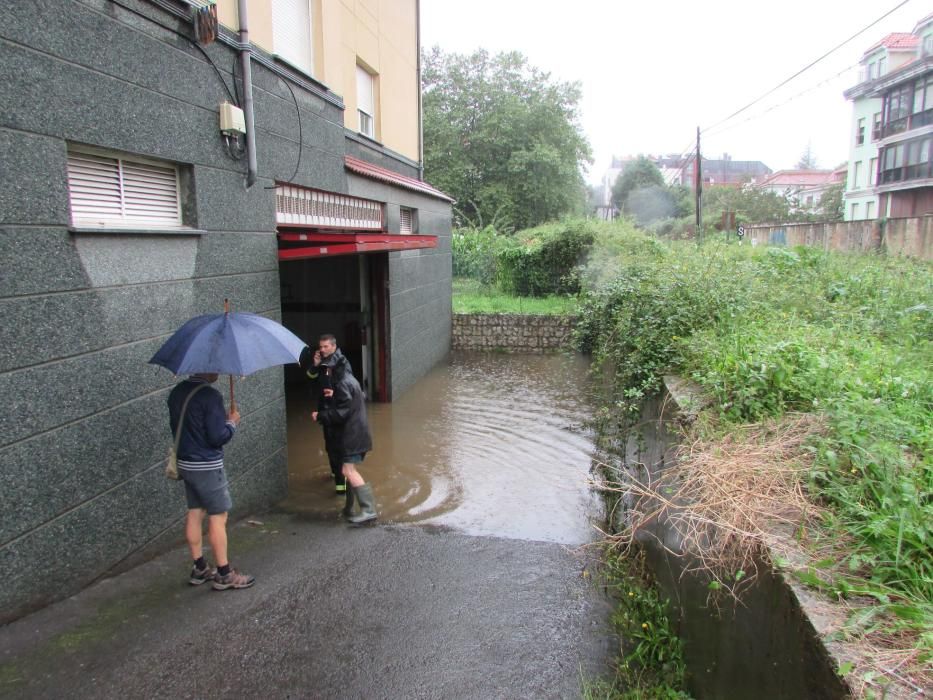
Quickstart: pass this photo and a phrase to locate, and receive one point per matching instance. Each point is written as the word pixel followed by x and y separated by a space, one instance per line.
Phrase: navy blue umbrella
pixel 228 343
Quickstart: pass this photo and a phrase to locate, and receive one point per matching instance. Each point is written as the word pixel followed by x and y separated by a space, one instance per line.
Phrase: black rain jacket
pixel 344 415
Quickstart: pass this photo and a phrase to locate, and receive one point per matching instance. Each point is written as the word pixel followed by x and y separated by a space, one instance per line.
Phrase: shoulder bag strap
pixel 181 418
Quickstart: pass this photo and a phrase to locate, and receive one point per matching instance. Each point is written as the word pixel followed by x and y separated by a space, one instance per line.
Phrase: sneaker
pixel 233 580
pixel 199 576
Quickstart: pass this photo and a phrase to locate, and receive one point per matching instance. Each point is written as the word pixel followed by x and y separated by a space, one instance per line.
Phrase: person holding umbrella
pixel 344 415
pixel 202 428
pixel 205 347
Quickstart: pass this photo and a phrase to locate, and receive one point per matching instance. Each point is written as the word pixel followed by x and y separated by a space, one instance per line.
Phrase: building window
pixel 876 126
pixel 107 190
pixel 366 101
pixel 860 132
pixel 857 175
pixel 291 33
pixel 869 210
pixel 407 222
pixel 882 66
pixel 872 70
pixel 854 211
pixel 872 171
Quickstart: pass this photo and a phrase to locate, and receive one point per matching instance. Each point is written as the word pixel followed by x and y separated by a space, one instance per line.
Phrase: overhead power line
pixel 710 131
pixel 808 66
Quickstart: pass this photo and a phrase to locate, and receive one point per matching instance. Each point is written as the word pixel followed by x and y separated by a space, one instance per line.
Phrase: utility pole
pixel 699 185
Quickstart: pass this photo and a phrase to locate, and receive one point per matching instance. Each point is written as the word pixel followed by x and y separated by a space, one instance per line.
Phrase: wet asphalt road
pixel 397 611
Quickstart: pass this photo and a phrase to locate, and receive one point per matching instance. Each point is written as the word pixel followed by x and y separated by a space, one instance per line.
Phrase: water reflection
pixel 487 443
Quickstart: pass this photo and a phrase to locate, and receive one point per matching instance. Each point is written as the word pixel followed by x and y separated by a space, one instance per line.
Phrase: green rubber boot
pixel 347 511
pixel 364 495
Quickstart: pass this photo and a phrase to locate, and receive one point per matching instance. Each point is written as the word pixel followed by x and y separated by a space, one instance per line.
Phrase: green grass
pixel 474 297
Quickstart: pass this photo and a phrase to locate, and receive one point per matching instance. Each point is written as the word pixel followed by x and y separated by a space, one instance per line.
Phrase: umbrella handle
pixel 232 400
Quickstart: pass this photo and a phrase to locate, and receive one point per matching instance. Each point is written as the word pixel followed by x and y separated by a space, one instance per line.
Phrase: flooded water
pixel 488 444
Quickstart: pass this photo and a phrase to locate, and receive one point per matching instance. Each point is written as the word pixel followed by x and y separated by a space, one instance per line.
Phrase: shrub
pixel 544 260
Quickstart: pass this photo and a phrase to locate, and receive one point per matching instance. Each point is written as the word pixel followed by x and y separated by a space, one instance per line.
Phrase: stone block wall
pixel 512 332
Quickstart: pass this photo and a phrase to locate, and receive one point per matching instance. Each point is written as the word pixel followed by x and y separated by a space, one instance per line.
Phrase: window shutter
pixel 291 33
pixel 108 191
pixel 150 193
pixel 405 220
pixel 364 91
pixel 94 188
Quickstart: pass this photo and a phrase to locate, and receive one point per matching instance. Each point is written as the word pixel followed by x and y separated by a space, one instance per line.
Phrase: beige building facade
pixel 366 51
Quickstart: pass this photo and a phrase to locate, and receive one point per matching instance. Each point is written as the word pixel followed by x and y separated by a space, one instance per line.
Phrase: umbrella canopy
pixel 230 343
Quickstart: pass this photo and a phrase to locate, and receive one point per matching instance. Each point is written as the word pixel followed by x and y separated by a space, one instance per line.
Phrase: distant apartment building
pixel 890 54
pixel 680 170
pixel 904 180
pixel 802 188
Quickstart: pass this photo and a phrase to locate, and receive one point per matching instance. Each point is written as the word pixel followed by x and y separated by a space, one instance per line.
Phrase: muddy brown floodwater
pixel 488 444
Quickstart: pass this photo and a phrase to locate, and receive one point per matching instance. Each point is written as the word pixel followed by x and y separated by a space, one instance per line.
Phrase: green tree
pixel 640 173
pixel 807 159
pixel 832 203
pixel 502 138
pixel 750 204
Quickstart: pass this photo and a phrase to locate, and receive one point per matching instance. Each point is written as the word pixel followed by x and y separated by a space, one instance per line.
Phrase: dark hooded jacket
pixel 344 415
pixel 321 377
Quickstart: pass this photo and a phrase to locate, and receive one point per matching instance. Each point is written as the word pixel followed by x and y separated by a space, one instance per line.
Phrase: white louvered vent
pixel 111 191
pixel 405 220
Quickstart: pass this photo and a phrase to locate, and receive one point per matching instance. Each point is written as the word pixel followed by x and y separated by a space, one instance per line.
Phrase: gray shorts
pixel 207 489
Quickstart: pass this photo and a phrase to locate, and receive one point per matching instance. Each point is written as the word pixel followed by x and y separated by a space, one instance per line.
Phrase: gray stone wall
pixel 512 332
pixel 83 431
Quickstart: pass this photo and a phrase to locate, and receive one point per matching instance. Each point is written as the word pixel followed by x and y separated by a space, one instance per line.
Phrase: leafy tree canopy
pixel 751 205
pixel 502 138
pixel 641 173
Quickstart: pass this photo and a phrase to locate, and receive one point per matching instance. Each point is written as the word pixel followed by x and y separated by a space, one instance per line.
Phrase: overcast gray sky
pixel 653 71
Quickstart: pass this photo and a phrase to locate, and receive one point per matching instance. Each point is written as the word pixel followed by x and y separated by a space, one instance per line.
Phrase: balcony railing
pixel 912 121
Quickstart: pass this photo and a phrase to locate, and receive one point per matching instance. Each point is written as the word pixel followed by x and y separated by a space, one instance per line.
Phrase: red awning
pixel 299 245
pixel 361 167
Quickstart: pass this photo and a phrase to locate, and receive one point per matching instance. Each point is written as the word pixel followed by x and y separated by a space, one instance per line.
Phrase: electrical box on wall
pixel 231 119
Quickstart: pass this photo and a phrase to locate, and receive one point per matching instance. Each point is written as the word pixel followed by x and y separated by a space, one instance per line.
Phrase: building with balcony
pixel 889 54
pixel 160 156
pixel 904 179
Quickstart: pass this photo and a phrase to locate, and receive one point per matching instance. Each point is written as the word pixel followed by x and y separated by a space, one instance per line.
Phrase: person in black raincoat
pixel 343 411
pixel 321 380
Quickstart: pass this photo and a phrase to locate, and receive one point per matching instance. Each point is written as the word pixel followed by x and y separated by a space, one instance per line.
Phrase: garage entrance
pixel 344 295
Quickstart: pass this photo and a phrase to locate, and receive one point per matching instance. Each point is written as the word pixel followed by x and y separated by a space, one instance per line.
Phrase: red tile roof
pixel 897 41
pixel 361 167
pixel 796 178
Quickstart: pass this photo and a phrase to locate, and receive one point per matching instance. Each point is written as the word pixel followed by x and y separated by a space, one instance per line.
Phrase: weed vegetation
pixel 650 662
pixel 775 334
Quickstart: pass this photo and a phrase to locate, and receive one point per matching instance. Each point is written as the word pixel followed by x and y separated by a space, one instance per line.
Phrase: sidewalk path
pixel 377 612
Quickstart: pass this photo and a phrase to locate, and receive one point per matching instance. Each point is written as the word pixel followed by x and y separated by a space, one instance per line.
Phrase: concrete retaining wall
pixel 911 236
pixel 511 332
pixel 769 646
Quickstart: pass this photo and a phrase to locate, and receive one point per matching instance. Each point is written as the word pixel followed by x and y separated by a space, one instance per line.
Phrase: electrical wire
pixel 807 67
pixel 300 138
pixel 727 127
pixel 194 43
